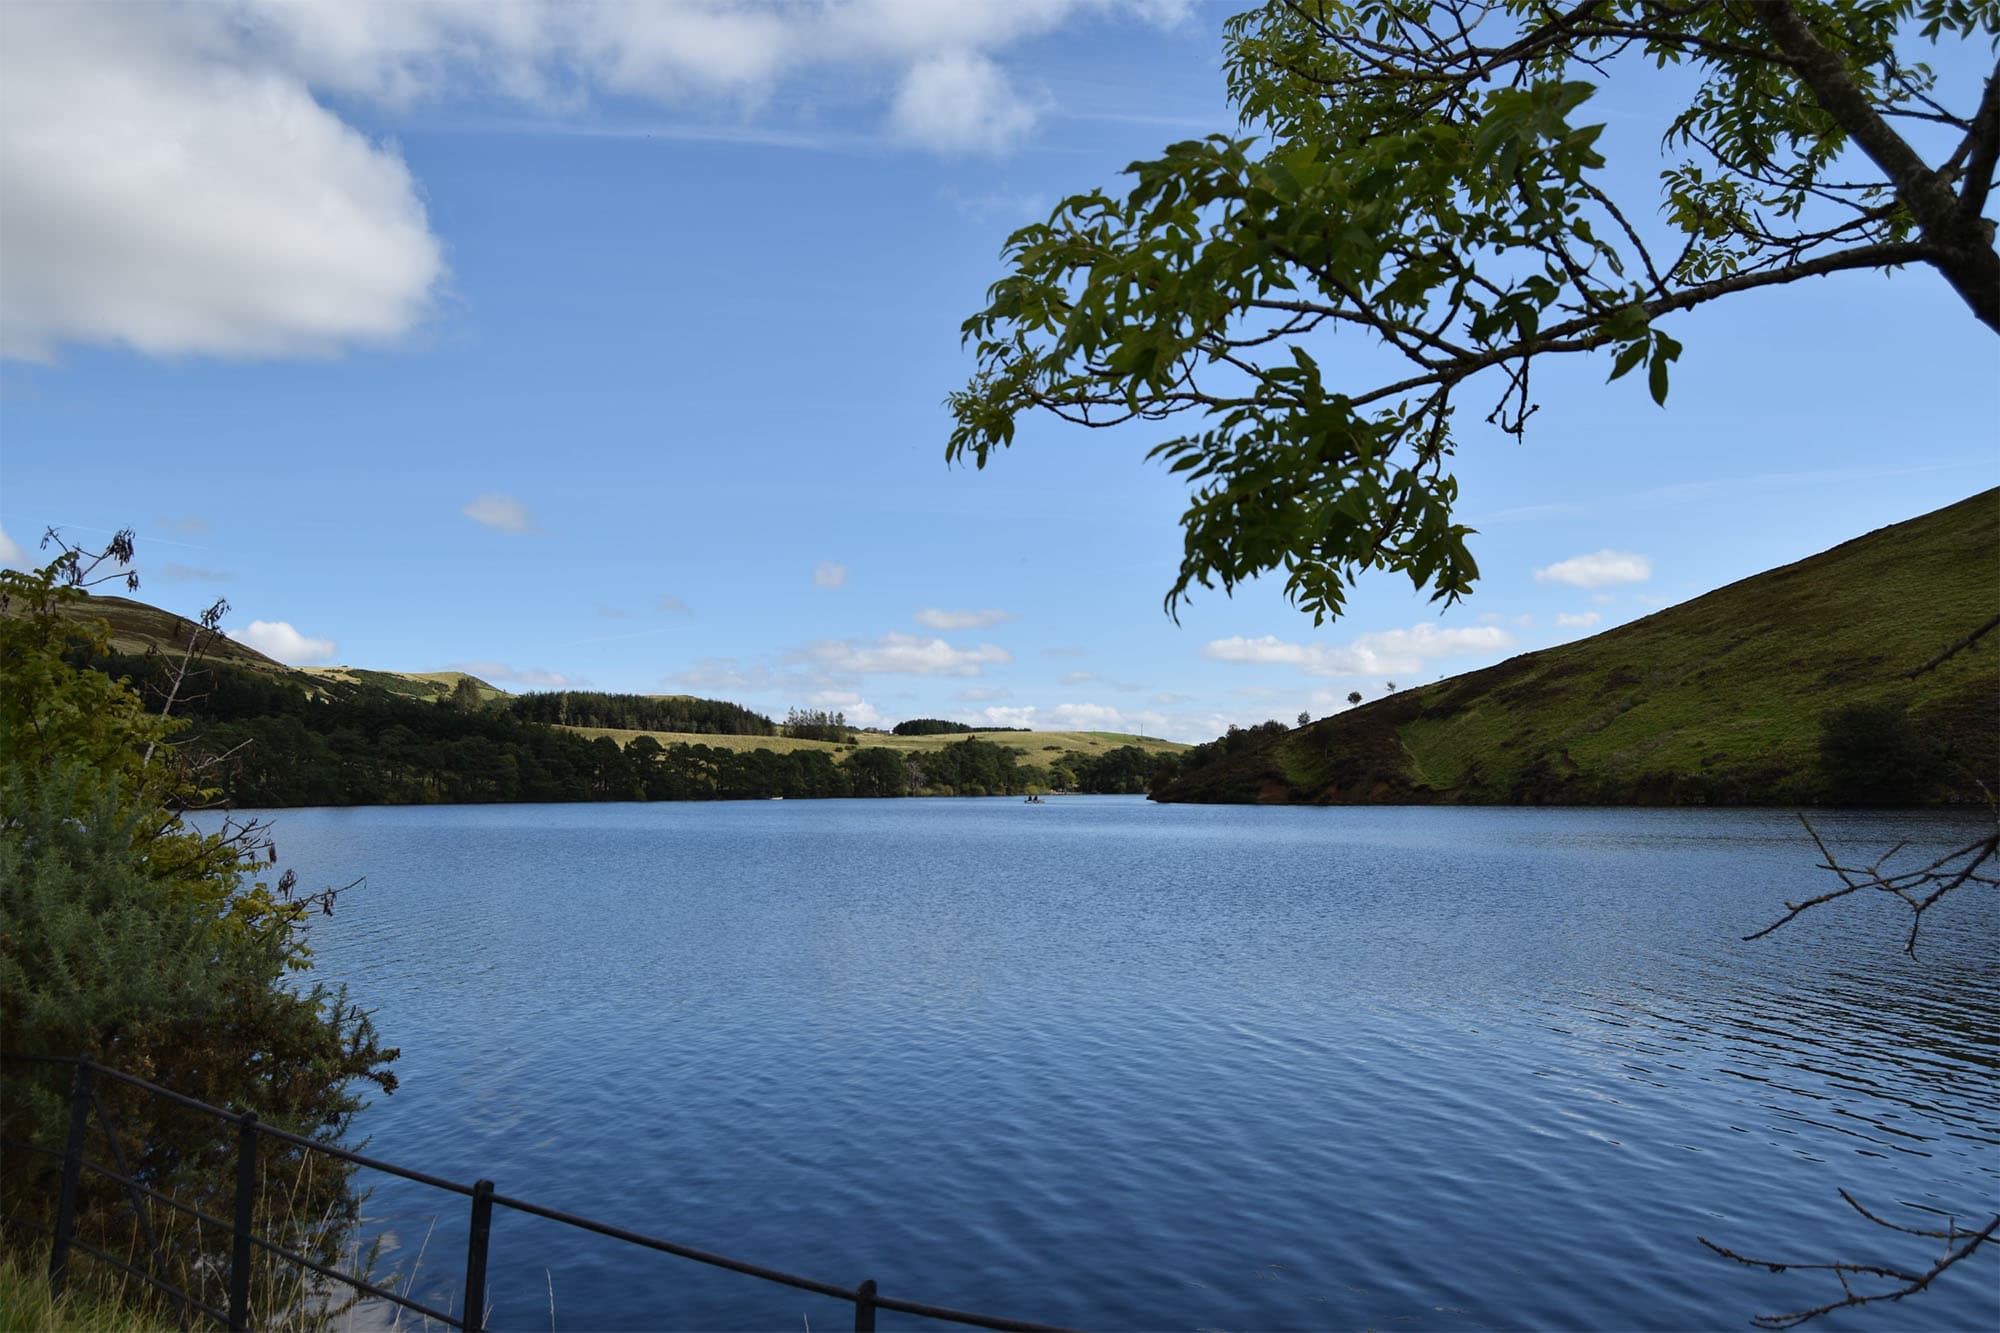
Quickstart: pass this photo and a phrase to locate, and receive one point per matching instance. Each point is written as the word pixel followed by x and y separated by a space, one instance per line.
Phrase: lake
pixel 1117 1065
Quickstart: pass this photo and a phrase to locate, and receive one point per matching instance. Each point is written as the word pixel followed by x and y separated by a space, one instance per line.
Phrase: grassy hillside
pixel 1720 699
pixel 432 685
pixel 138 628
pixel 1036 747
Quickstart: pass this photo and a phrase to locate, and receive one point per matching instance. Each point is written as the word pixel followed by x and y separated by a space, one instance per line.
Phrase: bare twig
pixel 1919 889
pixel 1959 1244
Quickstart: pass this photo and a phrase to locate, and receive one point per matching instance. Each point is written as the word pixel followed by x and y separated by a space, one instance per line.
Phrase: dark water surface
pixel 1122 1066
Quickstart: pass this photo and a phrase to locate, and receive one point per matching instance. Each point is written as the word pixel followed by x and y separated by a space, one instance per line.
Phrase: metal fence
pixel 250 1133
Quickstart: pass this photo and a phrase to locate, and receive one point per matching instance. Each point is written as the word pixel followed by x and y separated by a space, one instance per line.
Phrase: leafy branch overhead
pixel 1427 174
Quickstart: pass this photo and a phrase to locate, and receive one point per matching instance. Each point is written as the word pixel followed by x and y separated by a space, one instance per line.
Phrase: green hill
pixel 1033 747
pixel 138 628
pixel 1718 700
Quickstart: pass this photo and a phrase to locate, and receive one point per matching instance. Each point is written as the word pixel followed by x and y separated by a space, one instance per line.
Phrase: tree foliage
pixel 169 951
pixel 640 712
pixel 1426 173
pixel 818 724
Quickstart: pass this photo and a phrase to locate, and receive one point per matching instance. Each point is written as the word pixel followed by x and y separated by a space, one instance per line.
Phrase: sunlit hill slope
pixel 1718 700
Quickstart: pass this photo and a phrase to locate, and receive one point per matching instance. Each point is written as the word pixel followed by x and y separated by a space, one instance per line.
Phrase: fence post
pixel 864 1307
pixel 72 1176
pixel 246 1203
pixel 474 1311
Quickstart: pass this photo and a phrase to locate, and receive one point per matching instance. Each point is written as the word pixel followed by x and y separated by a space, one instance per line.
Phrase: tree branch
pixel 1962 241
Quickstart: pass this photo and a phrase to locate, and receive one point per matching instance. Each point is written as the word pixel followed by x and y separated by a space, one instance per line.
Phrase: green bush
pixel 1874 754
pixel 161 950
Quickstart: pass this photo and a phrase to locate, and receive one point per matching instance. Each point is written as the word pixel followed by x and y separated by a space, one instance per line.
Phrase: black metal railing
pixel 250 1133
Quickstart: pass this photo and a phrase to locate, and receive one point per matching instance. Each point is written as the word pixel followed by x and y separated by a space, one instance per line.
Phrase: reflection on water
pixel 1126 1066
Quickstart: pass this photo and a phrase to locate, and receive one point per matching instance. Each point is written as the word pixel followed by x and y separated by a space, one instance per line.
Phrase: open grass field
pixel 433 685
pixel 1035 746
pixel 1720 698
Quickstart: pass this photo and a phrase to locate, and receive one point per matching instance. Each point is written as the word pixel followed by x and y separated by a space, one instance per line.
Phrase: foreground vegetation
pixel 169 951
pixel 1800 685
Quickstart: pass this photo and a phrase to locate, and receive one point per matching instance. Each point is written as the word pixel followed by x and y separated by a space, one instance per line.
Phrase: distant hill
pixel 1033 747
pixel 432 685
pixel 1718 700
pixel 272 735
pixel 138 628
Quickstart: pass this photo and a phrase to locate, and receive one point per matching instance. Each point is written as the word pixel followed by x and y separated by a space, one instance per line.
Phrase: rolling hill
pixel 1719 700
pixel 138 628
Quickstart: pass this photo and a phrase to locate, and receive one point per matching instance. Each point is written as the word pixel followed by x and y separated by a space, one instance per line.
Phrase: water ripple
pixel 1128 1067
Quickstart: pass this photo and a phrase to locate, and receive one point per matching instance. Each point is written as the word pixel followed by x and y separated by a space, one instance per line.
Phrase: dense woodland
pixel 639 712
pixel 268 741
pixel 937 726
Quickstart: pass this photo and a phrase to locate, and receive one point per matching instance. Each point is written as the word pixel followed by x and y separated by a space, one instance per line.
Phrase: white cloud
pixel 1581 620
pixel 180 573
pixel 189 525
pixel 958 101
pixel 904 654
pixel 982 694
pixel 276 638
pixel 612 613
pixel 1073 717
pixel 165 195
pixel 1599 569
pixel 828 574
pixel 670 603
pixel 856 709
pixel 724 673
pixel 502 513
pixel 1387 652
pixel 499 673
pixel 933 618
pixel 179 180
pixel 1003 716
pixel 1078 677
pixel 11 554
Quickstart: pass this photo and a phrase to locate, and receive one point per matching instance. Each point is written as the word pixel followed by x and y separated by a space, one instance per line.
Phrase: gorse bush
pixel 172 952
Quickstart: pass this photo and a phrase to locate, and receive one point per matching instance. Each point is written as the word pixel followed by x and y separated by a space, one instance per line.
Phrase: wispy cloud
pixel 179 573
pixel 934 618
pixel 903 654
pixel 500 673
pixel 829 574
pixel 502 513
pixel 11 554
pixel 187 525
pixel 671 604
pixel 1577 620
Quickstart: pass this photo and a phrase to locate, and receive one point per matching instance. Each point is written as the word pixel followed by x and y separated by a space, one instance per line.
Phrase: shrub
pixel 130 935
pixel 1874 754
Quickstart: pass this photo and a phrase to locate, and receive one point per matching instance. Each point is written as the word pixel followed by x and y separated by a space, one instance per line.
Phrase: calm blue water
pixel 1126 1066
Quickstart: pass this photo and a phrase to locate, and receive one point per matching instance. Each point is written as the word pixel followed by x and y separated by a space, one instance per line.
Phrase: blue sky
pixel 606 346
